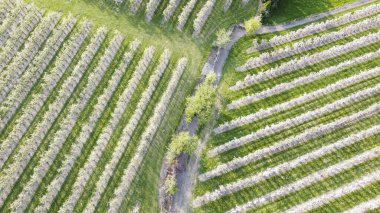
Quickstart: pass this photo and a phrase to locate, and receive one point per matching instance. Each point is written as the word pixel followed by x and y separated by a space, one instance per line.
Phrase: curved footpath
pixel 188 167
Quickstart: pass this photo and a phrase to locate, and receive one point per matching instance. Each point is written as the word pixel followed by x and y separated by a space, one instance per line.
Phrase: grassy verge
pixel 288 10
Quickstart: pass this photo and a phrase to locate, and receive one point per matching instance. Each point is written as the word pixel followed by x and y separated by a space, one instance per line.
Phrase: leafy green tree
pixel 252 24
pixel 202 102
pixel 223 36
pixel 181 142
pixel 170 185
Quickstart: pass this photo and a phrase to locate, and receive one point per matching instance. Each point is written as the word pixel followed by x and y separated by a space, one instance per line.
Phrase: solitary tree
pixel 181 143
pixel 202 102
pixel 223 36
pixel 252 24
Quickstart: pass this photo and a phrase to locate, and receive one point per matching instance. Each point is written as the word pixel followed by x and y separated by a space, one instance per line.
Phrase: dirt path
pixel 188 173
pixel 186 180
pixel 291 24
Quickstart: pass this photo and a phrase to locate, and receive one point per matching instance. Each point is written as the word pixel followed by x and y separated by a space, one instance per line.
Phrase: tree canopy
pixel 181 142
pixel 252 24
pixel 223 36
pixel 202 102
pixel 170 185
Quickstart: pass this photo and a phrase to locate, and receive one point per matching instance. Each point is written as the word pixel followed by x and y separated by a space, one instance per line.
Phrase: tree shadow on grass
pixel 288 10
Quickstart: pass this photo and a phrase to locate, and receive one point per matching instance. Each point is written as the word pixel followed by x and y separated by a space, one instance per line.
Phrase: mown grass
pixel 296 92
pixel 81 119
pixel 264 187
pixel 238 56
pixel 229 95
pixel 218 19
pixel 352 199
pixel 144 189
pixel 190 76
pixel 288 10
pixel 269 140
pixel 44 145
pixel 70 140
pixel 149 34
pixel 330 183
pixel 104 12
pixel 117 133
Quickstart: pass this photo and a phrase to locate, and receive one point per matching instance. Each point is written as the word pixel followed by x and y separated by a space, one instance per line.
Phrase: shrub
pixel 252 24
pixel 201 103
pixel 223 36
pixel 181 142
pixel 170 185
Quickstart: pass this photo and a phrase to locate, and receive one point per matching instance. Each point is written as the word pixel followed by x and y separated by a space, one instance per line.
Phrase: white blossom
pixel 15 69
pixel 170 9
pixel 356 184
pixel 87 129
pixel 234 164
pixel 22 124
pixel 182 18
pixel 314 42
pixel 290 122
pixel 65 126
pixel 146 138
pixel 262 113
pixel 150 9
pixel 304 61
pixel 237 185
pixel 279 88
pixel 103 139
pixel 18 36
pixel 10 22
pixel 311 179
pixel 308 134
pixel 19 92
pixel 202 16
pixel 134 5
pixel 319 27
pixel 131 126
pixel 5 8
pixel 365 206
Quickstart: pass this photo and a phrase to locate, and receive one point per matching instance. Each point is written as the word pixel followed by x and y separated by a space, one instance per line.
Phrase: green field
pixel 144 189
pixel 289 10
pixel 73 120
pixel 238 57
